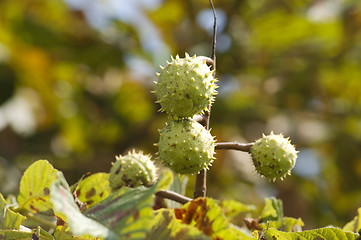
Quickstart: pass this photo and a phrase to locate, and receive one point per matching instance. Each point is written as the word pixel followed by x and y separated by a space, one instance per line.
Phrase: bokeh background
pixel 76 76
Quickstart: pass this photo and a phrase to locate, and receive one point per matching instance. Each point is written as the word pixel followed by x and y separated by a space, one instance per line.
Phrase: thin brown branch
pixel 173 196
pixel 244 147
pixel 200 188
pixel 213 54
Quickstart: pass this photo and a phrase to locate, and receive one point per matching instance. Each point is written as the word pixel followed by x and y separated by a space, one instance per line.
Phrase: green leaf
pixel 42 234
pixel 127 213
pixel 287 224
pixel 207 216
pixel 8 218
pixel 272 216
pixel 38 233
pixel 63 233
pixel 328 233
pixel 232 208
pixel 292 224
pixel 273 210
pixel 241 233
pixel 355 224
pixel 66 208
pixel 93 189
pixel 35 187
pixel 166 226
pixel 15 235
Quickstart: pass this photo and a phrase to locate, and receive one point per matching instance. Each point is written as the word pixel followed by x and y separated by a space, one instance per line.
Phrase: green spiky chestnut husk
pixel 185 87
pixel 132 170
pixel 273 156
pixel 186 147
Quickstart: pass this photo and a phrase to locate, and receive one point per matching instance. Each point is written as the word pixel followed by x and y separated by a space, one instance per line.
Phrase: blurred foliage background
pixel 76 76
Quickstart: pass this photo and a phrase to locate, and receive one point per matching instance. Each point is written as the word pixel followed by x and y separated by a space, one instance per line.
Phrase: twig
pixel 173 196
pixel 244 147
pixel 200 188
pixel 213 54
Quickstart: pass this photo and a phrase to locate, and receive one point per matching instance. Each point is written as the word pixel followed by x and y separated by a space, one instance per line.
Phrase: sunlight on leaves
pixel 127 213
pixel 355 224
pixel 232 208
pixel 93 189
pixel 207 216
pixel 287 224
pixel 165 226
pixel 63 233
pixel 328 233
pixel 66 208
pixel 8 218
pixel 273 209
pixel 241 233
pixel 35 187
pixel 27 234
pixel 272 216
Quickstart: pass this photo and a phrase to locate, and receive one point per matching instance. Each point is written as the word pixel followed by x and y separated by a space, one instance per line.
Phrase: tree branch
pixel 173 196
pixel 244 147
pixel 200 188
pixel 213 54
